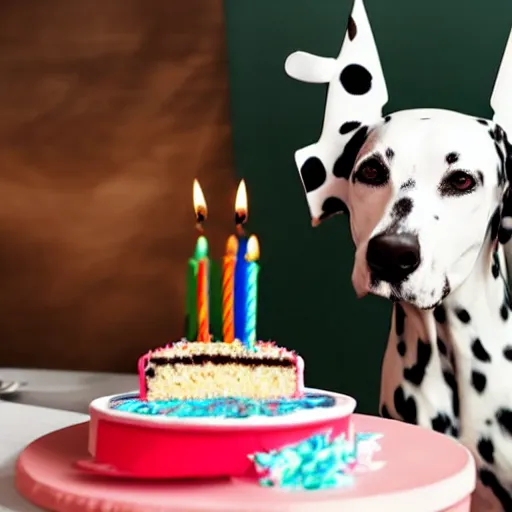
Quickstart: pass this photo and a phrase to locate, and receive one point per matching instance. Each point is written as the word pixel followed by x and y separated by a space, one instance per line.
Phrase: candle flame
pixel 253 249
pixel 200 207
pixel 241 208
pixel 232 246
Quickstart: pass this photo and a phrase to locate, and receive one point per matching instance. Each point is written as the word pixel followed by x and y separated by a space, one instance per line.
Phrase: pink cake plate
pixel 424 472
pixel 130 445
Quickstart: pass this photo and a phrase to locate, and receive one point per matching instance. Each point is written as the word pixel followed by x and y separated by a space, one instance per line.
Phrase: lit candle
pixel 251 304
pixel 202 265
pixel 241 214
pixel 203 317
pixel 201 251
pixel 241 208
pixel 228 290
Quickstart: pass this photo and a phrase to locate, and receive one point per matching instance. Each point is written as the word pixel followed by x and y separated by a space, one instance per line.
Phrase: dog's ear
pixel 355 97
pixel 505 230
pixel 501 103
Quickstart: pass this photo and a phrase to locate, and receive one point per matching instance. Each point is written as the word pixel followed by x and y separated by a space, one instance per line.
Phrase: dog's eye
pixel 458 182
pixel 372 173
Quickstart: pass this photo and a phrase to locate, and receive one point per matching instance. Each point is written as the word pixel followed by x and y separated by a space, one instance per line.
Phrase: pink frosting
pixel 299 369
pixel 143 361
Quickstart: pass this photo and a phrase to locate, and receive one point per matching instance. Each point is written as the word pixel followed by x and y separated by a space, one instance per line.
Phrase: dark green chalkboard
pixel 441 53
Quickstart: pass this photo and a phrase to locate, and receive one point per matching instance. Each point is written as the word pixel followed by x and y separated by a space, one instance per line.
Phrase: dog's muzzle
pixel 392 257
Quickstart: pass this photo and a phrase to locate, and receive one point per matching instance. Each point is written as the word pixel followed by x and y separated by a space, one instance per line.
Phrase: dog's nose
pixel 392 257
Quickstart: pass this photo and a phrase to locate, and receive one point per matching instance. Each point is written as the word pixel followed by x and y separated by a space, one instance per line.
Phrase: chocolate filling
pixel 200 359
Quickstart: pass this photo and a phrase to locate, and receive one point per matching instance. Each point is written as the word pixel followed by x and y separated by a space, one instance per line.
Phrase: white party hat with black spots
pixel 356 94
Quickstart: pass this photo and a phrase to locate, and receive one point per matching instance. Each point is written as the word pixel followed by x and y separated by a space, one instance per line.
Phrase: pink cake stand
pixel 124 444
pixel 424 472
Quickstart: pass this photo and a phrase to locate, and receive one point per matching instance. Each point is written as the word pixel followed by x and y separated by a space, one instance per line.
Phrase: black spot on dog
pixel 501 167
pixel 406 408
pixel 489 479
pixel 345 162
pixel 401 347
pixel 495 268
pixel 504 419
pixel 480 176
pixel 313 174
pixel 479 351
pixel 446 288
pixel 498 133
pixel 356 79
pixel 351 28
pixel 504 312
pixel 424 118
pixel 387 119
pixel 478 381
pixel 150 373
pixel 504 235
pixel 384 412
pixel 390 154
pixel 416 373
pixel 452 157
pixel 349 126
pixel 507 353
pixel 440 314
pixel 441 423
pixel 451 382
pixel 331 206
pixel 442 346
pixel 482 121
pixel 494 224
pixel 408 185
pixel 485 448
pixel 463 315
pixel 488 422
pixel 402 208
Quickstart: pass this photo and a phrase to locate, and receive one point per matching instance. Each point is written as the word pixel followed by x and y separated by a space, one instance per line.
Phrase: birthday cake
pixel 221 403
pixel 195 370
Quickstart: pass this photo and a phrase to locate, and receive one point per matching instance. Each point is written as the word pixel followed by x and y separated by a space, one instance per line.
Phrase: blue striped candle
pixel 241 289
pixel 251 305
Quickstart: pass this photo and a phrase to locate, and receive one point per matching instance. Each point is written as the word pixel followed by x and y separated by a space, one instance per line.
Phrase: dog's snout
pixel 392 257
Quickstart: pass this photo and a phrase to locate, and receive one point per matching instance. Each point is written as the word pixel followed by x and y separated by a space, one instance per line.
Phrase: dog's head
pixel 426 190
pixel 425 196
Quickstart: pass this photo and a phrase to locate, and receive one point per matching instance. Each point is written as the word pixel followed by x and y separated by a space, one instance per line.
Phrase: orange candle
pixel 228 290
pixel 203 314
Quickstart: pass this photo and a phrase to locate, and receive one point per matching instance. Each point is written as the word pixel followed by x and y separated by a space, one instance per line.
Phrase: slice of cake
pixel 196 370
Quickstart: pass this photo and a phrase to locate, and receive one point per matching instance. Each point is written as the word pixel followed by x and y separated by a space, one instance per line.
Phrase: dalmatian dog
pixel 429 201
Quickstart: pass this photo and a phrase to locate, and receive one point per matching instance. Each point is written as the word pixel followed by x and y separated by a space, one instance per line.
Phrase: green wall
pixel 441 53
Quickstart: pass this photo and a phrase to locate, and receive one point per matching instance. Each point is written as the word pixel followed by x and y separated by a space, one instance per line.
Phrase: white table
pixel 44 405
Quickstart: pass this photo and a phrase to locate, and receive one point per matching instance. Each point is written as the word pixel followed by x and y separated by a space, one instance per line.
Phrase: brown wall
pixel 108 110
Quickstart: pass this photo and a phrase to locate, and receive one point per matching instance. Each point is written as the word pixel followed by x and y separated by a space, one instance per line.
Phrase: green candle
pixel 201 251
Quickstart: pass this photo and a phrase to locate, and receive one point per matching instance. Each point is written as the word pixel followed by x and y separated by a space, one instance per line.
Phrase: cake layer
pixel 188 370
